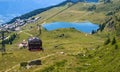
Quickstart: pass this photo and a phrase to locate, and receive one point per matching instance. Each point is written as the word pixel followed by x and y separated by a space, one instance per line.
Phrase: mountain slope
pixel 35 12
pixel 75 51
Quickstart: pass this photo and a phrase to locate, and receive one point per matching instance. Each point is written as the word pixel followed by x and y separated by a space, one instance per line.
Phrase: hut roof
pixel 34 39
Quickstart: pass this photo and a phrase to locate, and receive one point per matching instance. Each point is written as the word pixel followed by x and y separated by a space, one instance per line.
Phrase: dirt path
pixel 84 15
pixel 8 70
pixel 74 11
pixel 25 33
pixel 28 33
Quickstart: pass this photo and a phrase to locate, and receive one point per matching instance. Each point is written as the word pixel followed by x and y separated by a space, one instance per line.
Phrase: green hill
pixel 75 51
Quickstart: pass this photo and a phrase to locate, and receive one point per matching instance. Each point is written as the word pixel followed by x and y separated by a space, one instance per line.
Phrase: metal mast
pixel 3 50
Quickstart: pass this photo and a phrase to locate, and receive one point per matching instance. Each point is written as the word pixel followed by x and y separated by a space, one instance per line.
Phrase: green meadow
pixel 67 50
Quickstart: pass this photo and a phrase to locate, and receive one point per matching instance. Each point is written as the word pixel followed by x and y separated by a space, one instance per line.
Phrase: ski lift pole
pixel 39 30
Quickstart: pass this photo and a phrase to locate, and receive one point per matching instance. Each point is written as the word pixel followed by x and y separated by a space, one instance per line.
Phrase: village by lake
pixel 13 8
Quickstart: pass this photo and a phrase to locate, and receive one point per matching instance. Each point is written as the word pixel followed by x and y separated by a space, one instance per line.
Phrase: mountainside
pixel 38 11
pixel 68 50
pixel 74 1
pixel 35 12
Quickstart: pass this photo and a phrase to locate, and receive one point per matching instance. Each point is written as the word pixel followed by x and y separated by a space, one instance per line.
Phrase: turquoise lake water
pixel 86 27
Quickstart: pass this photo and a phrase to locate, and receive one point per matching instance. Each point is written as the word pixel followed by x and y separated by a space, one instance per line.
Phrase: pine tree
pixel 93 31
pixel 107 41
pixel 113 41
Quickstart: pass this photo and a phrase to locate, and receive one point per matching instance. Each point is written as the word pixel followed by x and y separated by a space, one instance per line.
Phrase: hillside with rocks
pixel 65 50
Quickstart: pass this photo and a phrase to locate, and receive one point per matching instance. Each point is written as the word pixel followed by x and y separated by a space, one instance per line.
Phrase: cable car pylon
pixel 3 49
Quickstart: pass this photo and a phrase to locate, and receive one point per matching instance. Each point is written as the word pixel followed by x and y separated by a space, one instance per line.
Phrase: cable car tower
pixel 2 32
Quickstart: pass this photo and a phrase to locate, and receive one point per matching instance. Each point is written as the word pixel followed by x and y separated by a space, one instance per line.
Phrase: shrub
pixel 116 46
pixel 23 64
pixel 107 41
pixel 113 41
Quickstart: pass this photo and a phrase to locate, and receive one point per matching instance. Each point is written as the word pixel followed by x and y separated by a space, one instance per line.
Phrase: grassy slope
pixel 50 41
pixel 76 13
pixel 83 52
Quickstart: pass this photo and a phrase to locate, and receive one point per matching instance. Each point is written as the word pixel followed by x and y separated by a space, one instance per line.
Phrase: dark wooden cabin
pixel 34 44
